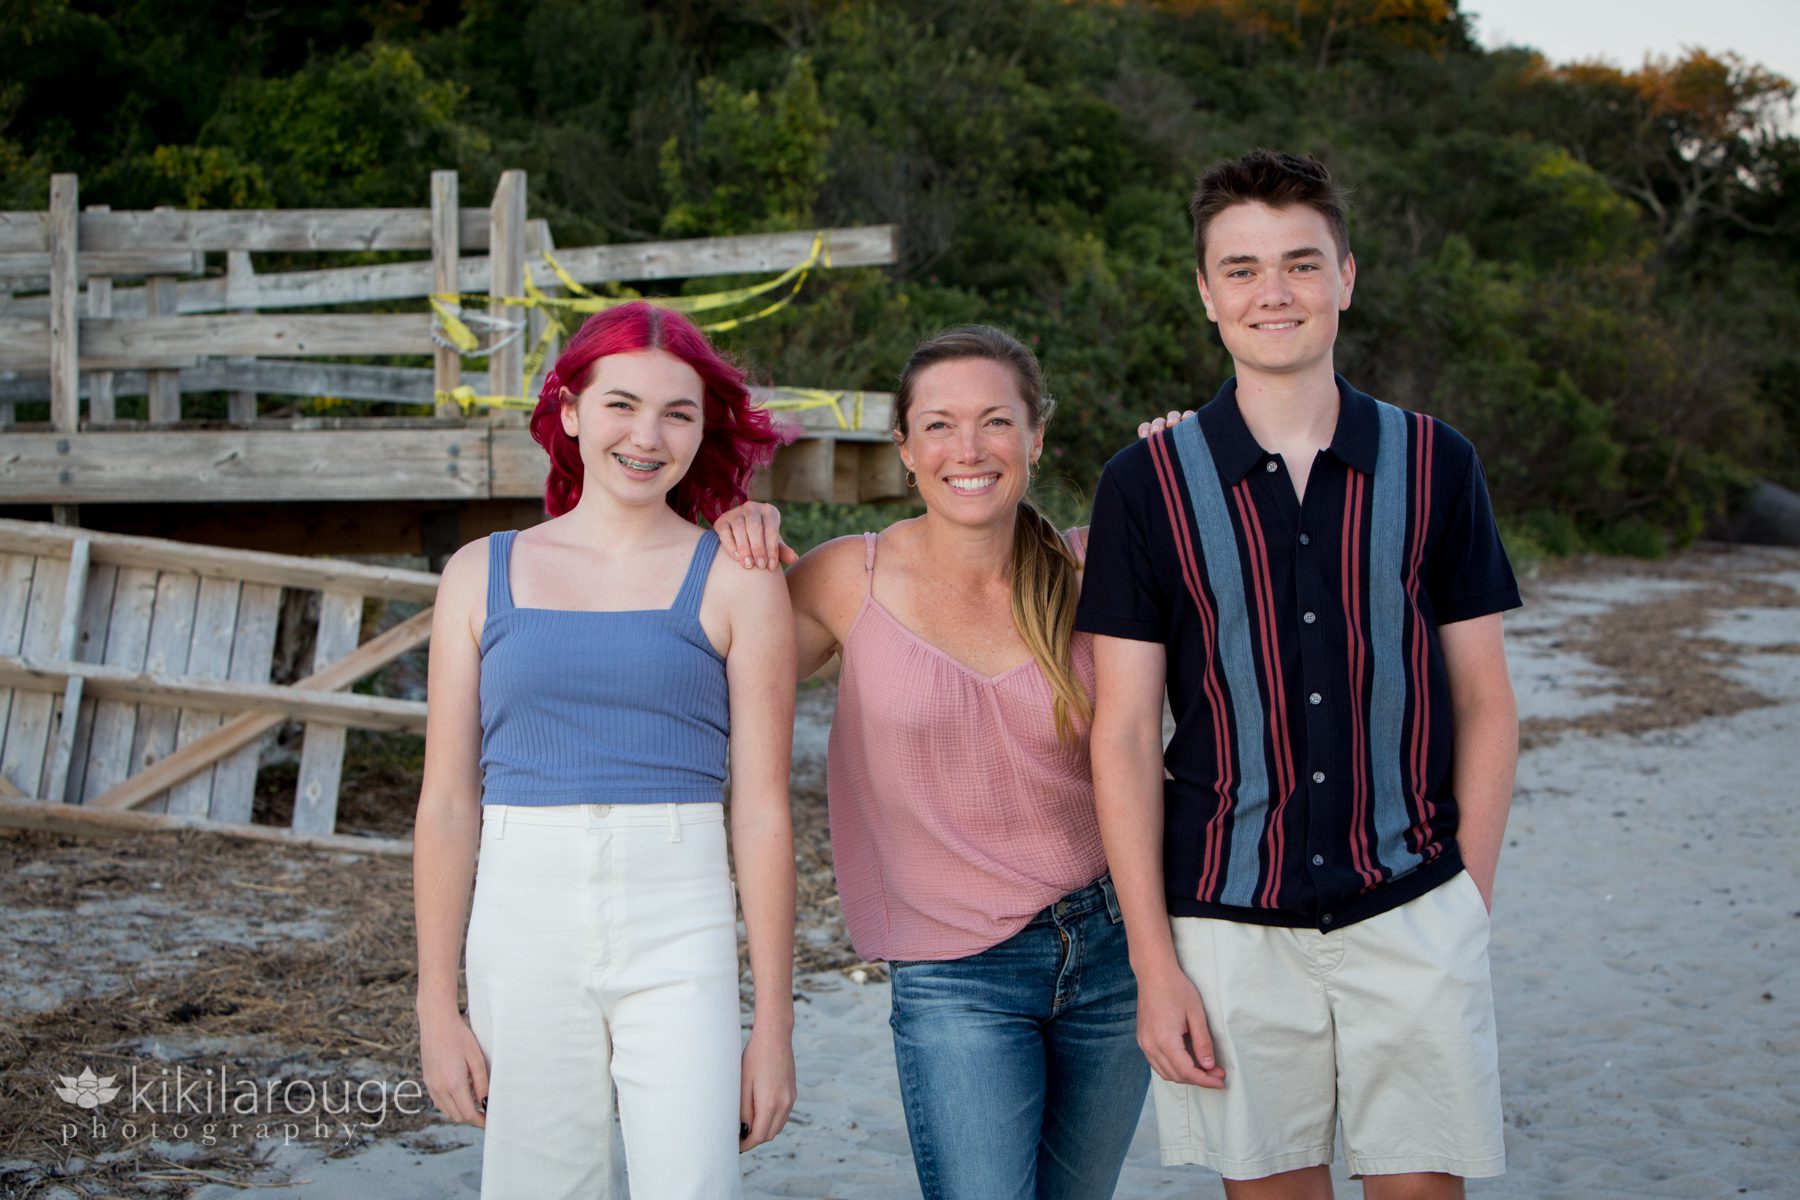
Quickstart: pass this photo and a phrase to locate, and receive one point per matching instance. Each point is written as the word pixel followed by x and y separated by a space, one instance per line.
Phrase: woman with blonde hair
pixel 962 809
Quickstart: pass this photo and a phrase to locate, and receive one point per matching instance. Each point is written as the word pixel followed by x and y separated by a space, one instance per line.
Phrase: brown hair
pixel 1044 585
pixel 1273 178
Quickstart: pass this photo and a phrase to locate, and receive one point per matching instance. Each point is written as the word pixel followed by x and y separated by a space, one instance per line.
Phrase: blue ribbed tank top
pixel 600 707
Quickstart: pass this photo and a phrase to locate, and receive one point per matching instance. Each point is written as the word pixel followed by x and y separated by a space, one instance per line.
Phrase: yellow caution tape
pixel 452 328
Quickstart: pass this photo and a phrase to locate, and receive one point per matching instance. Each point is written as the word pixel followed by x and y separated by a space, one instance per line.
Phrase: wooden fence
pixel 199 317
pixel 135 674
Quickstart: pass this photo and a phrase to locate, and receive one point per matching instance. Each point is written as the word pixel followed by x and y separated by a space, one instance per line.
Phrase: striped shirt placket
pixel 1218 545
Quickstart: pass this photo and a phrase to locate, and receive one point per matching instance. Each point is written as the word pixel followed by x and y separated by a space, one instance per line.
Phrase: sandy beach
pixel 1646 952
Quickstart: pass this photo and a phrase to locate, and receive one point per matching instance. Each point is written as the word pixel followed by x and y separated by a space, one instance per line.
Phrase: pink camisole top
pixel 957 814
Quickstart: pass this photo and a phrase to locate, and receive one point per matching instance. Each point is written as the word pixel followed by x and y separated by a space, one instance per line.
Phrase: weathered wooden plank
pixel 870 415
pixel 85 822
pixel 324 708
pixel 90 645
pixel 25 346
pixel 62 745
pixel 171 636
pixel 506 266
pixel 322 753
pixel 446 252
pixel 28 724
pixel 370 657
pixel 209 657
pixel 164 387
pixel 397 385
pixel 127 640
pixel 636 261
pixel 24 231
pixel 234 779
pixel 869 246
pixel 239 274
pixel 65 291
pixel 804 470
pixel 98 387
pixel 16 571
pixel 392 583
pixel 881 476
pixel 243 464
pixel 517 465
pixel 307 335
pixel 253 229
pixel 35 264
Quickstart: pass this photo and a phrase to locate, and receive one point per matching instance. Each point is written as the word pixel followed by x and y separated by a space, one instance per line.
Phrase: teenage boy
pixel 1306 872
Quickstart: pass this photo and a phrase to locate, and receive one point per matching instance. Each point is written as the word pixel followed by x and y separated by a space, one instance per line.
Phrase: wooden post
pixel 240 277
pixel 164 386
pixel 537 241
pixel 446 247
pixel 99 304
pixel 506 264
pixel 65 327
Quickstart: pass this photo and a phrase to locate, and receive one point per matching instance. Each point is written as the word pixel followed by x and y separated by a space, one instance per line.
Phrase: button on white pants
pixel 603 951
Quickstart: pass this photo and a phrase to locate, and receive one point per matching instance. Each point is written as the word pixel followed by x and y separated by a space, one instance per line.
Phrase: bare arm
pixel 1128 786
pixel 1485 747
pixel 446 836
pixel 759 668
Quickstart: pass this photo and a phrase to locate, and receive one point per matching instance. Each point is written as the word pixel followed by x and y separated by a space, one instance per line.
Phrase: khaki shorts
pixel 1388 1024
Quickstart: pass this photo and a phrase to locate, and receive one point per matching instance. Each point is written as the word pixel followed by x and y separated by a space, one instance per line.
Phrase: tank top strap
pixel 693 587
pixel 869 559
pixel 499 590
pixel 1076 540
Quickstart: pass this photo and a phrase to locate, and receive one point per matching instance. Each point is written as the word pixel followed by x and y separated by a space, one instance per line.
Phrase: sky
pixel 1766 32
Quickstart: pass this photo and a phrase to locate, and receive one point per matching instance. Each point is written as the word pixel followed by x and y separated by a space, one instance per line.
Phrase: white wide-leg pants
pixel 603 951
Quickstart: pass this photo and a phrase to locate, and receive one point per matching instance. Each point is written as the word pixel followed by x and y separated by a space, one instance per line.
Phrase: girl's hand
pixel 1162 423
pixel 456 1072
pixel 750 535
pixel 766 1095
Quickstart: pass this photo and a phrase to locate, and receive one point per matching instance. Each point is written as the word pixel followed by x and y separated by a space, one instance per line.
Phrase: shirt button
pixel 1308 617
pixel 1315 698
pixel 1272 467
pixel 1325 920
pixel 1318 860
pixel 1318 777
pixel 1306 539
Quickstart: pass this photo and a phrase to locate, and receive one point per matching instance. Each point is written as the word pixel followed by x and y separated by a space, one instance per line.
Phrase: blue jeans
pixel 1019 1066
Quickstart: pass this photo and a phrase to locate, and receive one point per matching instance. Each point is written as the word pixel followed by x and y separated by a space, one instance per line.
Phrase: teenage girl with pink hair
pixel 588 677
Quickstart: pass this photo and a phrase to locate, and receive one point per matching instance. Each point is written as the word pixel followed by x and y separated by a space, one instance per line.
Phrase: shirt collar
pixel 1236 451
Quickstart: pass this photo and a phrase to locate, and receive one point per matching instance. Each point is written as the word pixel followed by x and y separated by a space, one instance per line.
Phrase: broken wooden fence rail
pixel 135 672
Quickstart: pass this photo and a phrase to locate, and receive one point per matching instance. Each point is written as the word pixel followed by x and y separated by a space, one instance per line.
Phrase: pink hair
pixel 736 439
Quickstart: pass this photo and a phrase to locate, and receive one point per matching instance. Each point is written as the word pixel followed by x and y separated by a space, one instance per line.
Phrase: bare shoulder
pixel 465 575
pixel 830 567
pixel 759 590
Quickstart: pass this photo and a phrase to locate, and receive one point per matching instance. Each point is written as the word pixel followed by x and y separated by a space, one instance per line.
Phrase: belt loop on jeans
pixel 500 821
pixel 674 822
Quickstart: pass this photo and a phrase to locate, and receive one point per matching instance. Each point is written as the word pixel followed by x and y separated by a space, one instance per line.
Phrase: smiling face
pixel 968 436
pixel 1274 286
pixel 638 422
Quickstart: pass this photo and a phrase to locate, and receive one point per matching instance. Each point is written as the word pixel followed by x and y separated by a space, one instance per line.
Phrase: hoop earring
pixel 912 481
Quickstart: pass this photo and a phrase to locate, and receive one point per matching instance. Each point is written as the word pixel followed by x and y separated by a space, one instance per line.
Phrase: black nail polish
pixel 743 1131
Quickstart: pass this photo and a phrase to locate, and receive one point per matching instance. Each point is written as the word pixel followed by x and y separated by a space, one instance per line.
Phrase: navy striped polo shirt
pixel 1310 764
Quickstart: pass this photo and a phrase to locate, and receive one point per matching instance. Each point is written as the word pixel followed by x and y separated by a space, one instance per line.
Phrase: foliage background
pixel 1592 271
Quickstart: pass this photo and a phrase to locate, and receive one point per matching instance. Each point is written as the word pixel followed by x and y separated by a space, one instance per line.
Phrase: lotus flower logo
pixel 87 1090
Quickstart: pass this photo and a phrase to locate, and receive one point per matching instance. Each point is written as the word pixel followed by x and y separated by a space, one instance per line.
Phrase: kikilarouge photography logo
pixel 208 1105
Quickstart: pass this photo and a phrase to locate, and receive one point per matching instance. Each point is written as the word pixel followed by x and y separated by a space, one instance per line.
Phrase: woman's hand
pixel 766 1095
pixel 456 1072
pixel 1161 423
pixel 750 535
